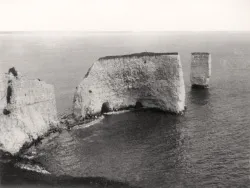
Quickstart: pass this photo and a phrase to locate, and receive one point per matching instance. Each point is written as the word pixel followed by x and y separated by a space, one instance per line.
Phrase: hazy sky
pixel 117 15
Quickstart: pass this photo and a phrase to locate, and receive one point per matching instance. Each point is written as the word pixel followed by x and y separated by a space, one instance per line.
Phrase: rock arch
pixel 125 80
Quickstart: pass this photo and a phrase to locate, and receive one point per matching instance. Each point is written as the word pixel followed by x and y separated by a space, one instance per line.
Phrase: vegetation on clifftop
pixel 137 55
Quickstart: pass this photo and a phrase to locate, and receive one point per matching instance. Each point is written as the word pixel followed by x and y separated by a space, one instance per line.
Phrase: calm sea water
pixel 209 146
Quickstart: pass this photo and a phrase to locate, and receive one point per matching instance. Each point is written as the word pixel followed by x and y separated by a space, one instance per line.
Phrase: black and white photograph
pixel 125 93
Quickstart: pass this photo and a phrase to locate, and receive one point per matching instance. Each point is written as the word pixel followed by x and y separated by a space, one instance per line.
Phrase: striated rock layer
pixel 152 80
pixel 200 69
pixel 27 111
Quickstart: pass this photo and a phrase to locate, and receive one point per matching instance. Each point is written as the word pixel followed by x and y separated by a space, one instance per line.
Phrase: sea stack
pixel 153 80
pixel 200 69
pixel 27 110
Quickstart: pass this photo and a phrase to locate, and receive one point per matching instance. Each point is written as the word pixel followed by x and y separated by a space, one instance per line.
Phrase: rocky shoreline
pixel 143 81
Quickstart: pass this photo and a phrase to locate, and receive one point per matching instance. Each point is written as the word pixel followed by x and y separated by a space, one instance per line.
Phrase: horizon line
pixel 113 31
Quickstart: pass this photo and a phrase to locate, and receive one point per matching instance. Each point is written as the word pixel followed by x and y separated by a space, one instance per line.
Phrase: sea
pixel 207 146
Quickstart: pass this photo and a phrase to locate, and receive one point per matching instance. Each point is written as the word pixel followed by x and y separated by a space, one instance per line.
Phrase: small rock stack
pixel 200 69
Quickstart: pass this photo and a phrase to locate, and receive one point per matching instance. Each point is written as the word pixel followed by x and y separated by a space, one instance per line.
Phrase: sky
pixel 125 15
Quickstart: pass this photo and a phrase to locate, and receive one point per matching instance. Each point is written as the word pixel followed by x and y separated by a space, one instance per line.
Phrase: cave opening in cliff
pixel 6 112
pixel 105 108
pixel 9 93
pixel 138 105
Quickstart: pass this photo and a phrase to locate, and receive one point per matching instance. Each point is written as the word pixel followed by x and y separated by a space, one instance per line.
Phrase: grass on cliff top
pixel 138 55
pixel 200 53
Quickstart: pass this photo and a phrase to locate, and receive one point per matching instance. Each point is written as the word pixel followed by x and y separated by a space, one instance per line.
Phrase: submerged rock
pixel 153 79
pixel 200 69
pixel 27 110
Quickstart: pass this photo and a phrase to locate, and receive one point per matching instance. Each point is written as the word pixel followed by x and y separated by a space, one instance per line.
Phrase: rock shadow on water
pixel 12 176
pixel 199 96
pixel 144 126
pixel 140 143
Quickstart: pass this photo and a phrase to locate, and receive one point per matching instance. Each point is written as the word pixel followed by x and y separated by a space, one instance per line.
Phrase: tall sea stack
pixel 27 110
pixel 153 80
pixel 200 69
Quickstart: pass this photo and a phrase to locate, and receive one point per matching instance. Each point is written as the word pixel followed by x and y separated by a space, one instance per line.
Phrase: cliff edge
pixel 151 80
pixel 27 110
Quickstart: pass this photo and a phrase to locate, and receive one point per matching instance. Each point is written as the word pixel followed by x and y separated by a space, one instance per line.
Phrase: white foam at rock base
pixel 86 125
pixel 32 167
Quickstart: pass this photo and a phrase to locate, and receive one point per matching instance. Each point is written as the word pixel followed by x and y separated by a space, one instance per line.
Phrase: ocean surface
pixel 209 146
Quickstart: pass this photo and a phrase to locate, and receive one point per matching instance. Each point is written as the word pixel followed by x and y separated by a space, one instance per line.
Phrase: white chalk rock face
pixel 153 79
pixel 200 69
pixel 27 111
pixel 3 86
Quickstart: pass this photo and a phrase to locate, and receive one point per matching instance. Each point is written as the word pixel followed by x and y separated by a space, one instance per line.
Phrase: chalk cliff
pixel 152 80
pixel 27 110
pixel 200 69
